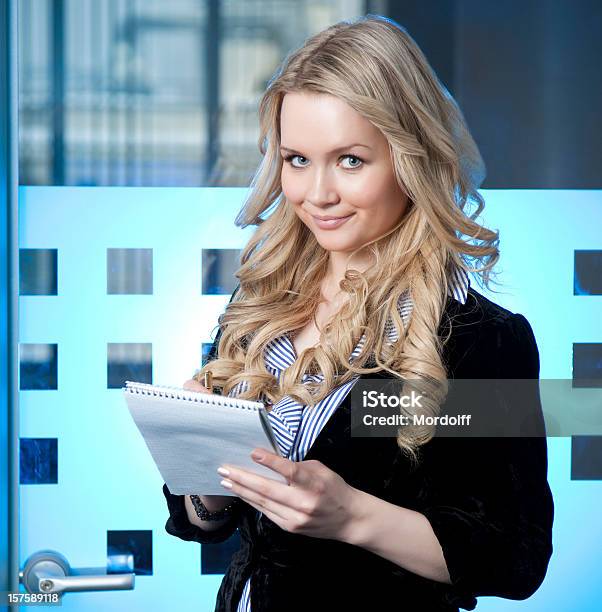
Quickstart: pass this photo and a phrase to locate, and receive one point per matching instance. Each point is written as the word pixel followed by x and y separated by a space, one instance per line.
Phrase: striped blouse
pixel 296 428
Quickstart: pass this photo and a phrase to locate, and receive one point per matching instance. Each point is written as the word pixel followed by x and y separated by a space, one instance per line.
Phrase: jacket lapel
pixel 355 458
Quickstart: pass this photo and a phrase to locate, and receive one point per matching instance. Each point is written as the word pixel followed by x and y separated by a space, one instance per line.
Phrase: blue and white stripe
pixel 297 428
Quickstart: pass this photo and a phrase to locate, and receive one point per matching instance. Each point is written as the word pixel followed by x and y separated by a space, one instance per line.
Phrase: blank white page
pixel 190 434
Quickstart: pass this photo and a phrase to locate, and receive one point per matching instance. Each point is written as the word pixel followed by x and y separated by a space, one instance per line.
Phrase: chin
pixel 335 245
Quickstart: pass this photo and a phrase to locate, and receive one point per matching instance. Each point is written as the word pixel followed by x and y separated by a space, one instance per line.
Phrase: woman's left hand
pixel 317 502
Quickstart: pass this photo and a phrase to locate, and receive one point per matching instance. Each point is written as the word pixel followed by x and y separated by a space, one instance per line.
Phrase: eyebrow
pixel 337 150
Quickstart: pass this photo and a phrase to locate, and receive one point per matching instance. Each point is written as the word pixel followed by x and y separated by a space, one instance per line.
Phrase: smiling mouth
pixel 330 218
pixel 330 222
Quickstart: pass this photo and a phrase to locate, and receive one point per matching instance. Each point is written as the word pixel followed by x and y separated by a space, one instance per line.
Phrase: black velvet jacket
pixel 487 500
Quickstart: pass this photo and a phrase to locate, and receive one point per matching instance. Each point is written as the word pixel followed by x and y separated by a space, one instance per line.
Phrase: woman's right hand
pixel 195 385
pixel 212 502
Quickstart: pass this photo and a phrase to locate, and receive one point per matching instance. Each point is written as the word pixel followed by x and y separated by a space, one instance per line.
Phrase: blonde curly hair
pixel 373 65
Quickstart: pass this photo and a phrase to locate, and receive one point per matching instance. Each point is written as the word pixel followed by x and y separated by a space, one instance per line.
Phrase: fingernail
pixel 226 483
pixel 257 456
pixel 223 471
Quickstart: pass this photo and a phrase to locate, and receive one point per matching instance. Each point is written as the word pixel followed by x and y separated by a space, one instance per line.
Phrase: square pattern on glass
pixel 38 367
pixel 124 544
pixel 586 458
pixel 587 277
pixel 129 271
pixel 219 266
pixel 129 361
pixel 587 364
pixel 38 461
pixel 38 272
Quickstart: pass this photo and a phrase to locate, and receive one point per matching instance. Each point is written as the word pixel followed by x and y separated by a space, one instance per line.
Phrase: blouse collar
pixel 280 353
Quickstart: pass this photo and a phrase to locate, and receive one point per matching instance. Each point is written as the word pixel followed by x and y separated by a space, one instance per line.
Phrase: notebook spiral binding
pixel 170 392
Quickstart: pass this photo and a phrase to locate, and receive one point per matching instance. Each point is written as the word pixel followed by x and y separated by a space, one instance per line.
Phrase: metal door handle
pixel 47 571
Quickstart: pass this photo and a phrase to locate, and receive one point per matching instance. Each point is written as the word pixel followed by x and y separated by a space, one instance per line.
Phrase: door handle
pixel 47 571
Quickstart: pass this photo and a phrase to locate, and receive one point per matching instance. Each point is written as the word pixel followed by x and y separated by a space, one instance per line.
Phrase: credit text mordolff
pixel 417 420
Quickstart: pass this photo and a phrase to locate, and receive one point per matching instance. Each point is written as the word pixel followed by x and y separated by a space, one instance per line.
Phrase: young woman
pixel 358 269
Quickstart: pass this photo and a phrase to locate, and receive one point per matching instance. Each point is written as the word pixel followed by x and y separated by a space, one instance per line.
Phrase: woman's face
pixel 337 171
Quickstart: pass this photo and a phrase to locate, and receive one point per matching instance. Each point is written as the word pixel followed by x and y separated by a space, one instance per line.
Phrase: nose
pixel 321 190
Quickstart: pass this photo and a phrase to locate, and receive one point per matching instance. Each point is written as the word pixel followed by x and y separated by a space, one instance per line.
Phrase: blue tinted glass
pixel 38 366
pixel 219 266
pixel 130 271
pixel 129 361
pixel 38 463
pixel 37 271
pixel 137 543
pixel 586 458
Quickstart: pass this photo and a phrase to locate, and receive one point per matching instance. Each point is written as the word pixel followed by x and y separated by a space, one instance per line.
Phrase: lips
pixel 330 218
pixel 331 222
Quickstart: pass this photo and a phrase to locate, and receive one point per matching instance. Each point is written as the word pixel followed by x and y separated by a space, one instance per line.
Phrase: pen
pixel 208 381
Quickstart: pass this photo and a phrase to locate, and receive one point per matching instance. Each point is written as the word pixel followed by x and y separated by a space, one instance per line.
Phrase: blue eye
pixel 289 159
pixel 356 159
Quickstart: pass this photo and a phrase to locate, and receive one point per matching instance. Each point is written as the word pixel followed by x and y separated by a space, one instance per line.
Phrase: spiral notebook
pixel 190 434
